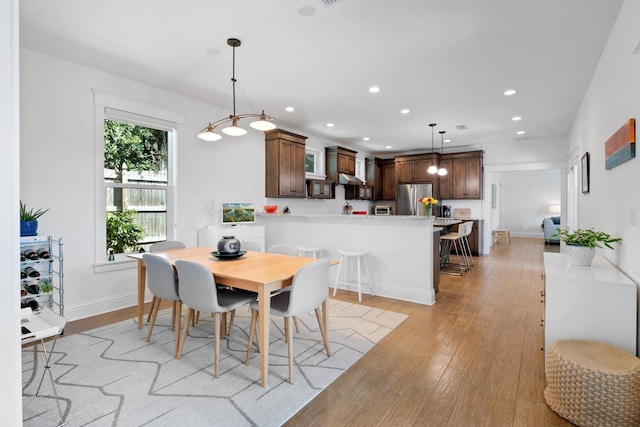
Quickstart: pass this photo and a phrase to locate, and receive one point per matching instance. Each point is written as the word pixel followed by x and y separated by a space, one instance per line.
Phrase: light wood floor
pixel 473 358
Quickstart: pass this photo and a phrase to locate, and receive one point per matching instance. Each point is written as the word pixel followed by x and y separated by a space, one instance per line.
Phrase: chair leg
pixel 252 330
pixel 153 301
pixel 178 316
pixel 185 329
pixel 295 323
pixel 153 313
pixel 232 316
pixel 216 342
pixel 359 280
pixel 325 338
pixel 290 348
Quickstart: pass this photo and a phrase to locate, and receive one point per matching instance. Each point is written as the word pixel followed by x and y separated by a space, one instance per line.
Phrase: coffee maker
pixel 443 211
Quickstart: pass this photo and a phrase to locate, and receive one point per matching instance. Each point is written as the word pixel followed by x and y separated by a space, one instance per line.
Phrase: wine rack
pixel 41 273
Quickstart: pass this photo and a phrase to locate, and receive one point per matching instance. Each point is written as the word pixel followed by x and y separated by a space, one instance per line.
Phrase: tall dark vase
pixel 28 228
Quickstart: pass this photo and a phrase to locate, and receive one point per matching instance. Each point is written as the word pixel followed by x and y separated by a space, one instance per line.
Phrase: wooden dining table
pixel 260 272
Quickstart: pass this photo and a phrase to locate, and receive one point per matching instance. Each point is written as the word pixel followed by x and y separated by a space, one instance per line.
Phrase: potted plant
pixel 29 220
pixel 582 244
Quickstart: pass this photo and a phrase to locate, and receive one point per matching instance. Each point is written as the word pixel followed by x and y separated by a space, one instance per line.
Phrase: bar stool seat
pixel 312 252
pixel 360 258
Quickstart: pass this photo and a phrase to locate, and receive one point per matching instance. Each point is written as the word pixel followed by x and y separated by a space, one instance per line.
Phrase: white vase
pixel 581 255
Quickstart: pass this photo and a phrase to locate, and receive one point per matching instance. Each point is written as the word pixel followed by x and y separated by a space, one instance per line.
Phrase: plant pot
pixel 581 255
pixel 28 228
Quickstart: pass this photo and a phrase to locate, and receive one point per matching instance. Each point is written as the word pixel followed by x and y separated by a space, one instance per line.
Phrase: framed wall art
pixel 585 173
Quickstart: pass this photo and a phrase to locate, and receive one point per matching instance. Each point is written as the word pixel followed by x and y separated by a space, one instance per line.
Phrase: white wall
pixel 612 98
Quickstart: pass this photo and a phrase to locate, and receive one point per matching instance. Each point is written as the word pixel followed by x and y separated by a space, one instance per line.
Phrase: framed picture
pixel 585 173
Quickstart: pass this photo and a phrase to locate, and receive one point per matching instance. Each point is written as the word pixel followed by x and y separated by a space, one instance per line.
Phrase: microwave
pixel 383 210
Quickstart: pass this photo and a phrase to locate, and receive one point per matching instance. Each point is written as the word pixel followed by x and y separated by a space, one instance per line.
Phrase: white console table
pixel 209 236
pixel 597 303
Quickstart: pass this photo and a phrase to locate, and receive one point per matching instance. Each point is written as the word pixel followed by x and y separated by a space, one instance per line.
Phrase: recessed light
pixel 516 118
pixel 521 132
pixel 510 92
pixel 366 138
pixel 290 109
pixel 374 89
pixel 447 140
pixel 330 125
pixel 405 111
pixel 388 147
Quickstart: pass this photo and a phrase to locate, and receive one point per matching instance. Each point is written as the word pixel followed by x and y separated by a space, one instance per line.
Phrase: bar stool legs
pixel 347 255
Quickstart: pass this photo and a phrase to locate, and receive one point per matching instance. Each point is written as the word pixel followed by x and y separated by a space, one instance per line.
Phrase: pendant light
pixel 442 171
pixel 433 168
pixel 263 122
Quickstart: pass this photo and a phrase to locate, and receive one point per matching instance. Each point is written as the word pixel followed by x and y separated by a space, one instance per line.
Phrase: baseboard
pixel 103 305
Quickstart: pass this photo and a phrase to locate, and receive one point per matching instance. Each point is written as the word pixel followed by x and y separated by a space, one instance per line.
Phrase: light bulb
pixel 432 169
pixel 442 172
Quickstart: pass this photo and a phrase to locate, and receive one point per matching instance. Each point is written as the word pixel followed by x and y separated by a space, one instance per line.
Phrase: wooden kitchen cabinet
pixel 358 192
pixel 380 175
pixel 413 169
pixel 284 169
pixel 320 189
pixel 388 180
pixel 464 177
pixel 339 160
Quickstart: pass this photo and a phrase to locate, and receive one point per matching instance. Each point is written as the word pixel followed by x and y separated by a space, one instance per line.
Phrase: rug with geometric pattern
pixel 110 376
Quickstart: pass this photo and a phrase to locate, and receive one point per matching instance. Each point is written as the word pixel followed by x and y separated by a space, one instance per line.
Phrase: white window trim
pixel 318 160
pixel 107 105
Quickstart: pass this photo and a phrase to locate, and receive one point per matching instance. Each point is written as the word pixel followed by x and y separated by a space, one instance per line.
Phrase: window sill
pixel 118 264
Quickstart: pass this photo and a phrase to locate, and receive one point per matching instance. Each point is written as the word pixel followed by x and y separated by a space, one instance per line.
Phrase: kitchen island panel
pixel 400 249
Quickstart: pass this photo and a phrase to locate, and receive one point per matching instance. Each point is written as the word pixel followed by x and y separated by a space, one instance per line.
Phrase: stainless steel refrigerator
pixel 408 196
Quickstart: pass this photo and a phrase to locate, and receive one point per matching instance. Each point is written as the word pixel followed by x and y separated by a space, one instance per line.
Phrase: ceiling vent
pixel 462 127
pixel 329 3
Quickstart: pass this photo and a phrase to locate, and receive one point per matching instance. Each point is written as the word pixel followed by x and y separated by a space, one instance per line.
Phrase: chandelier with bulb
pixel 263 122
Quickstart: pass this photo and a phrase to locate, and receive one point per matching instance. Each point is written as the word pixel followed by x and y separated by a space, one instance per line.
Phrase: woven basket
pixel 593 384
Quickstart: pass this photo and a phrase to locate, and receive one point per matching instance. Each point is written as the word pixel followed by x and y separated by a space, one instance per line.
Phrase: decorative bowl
pixel 271 209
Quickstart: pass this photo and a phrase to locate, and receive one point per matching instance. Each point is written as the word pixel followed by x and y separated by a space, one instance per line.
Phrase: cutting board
pixel 462 213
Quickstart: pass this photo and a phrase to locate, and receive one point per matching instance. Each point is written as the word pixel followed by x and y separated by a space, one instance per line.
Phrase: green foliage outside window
pixel 123 234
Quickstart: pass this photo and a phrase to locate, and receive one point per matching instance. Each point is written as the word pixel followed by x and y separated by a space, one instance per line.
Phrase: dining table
pixel 259 272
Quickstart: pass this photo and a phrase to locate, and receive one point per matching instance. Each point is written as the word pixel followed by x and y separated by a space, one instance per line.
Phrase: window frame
pixel 318 163
pixel 108 106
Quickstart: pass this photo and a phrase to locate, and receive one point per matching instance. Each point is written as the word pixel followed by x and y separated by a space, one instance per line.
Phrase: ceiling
pixel 448 62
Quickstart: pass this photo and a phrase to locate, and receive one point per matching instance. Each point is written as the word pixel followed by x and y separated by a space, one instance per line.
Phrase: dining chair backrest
pixel 309 287
pixel 197 287
pixel 161 278
pixel 284 249
pixel 166 245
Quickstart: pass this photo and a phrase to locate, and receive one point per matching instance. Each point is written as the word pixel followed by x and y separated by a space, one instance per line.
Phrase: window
pixel 135 176
pixel 314 163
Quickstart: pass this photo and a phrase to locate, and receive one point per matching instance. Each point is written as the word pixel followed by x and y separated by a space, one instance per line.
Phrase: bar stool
pixel 455 240
pixel 313 252
pixel 359 257
pixel 466 248
pixel 498 234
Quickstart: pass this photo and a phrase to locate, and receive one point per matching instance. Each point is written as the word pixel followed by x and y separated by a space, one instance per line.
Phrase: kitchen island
pixel 400 247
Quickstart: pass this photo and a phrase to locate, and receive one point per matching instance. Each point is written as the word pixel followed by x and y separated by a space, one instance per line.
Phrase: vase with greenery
pixel 583 242
pixel 29 220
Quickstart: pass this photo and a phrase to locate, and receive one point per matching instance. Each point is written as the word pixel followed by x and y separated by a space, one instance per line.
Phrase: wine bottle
pixel 23 274
pixel 32 303
pixel 32 272
pixel 43 253
pixel 31 254
pixel 22 257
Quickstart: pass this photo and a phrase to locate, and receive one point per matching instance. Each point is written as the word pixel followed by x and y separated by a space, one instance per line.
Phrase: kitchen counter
pixel 400 247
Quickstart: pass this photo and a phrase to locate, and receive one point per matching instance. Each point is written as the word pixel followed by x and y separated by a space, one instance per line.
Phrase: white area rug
pixel 111 376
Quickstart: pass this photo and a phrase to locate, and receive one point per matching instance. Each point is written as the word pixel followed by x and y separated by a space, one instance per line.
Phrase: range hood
pixel 347 179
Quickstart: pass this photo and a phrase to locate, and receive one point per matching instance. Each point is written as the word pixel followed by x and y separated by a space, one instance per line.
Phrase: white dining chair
pixel 198 290
pixel 163 284
pixel 308 291
pixel 159 247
